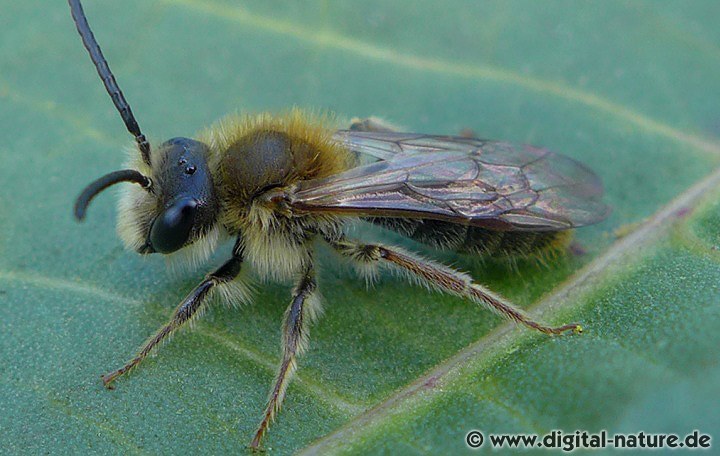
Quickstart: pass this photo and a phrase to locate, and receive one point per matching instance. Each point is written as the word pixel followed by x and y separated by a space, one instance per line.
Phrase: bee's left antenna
pixel 108 79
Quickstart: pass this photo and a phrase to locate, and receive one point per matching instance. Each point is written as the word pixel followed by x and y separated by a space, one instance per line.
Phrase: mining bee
pixel 278 183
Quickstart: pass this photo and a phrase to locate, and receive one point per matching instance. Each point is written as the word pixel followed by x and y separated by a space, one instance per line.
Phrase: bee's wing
pixel 482 183
pixel 383 145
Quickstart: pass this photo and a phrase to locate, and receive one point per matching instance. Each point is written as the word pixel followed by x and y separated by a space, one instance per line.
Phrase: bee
pixel 278 183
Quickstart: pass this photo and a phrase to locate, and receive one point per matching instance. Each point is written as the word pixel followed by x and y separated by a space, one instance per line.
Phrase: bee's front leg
pixel 184 312
pixel 299 315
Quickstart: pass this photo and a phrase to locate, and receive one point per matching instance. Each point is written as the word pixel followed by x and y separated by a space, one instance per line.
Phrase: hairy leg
pixel 299 315
pixel 441 277
pixel 183 313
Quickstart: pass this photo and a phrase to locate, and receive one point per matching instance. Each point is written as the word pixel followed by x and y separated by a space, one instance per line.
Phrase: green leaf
pixel 627 88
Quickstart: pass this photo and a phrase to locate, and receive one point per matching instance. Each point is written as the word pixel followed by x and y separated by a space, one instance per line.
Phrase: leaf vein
pixel 322 392
pixel 331 39
pixel 121 438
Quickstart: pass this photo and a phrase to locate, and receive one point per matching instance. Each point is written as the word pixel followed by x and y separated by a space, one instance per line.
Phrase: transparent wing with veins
pixel 491 184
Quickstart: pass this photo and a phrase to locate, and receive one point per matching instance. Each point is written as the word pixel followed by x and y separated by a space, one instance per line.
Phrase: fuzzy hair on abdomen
pixel 474 240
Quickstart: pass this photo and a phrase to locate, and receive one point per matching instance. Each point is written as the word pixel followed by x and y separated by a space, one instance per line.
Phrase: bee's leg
pixel 444 278
pixel 372 124
pixel 183 313
pixel 299 315
pixel 377 124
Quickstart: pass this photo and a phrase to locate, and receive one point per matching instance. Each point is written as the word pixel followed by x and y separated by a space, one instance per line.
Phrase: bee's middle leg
pixel 299 315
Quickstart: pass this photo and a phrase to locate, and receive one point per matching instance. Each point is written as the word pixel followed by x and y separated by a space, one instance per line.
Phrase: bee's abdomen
pixel 479 241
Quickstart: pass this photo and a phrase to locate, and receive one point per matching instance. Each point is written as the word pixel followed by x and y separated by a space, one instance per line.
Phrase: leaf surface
pixel 627 88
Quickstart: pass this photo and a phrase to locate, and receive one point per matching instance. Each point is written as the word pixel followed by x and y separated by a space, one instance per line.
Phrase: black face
pixel 188 205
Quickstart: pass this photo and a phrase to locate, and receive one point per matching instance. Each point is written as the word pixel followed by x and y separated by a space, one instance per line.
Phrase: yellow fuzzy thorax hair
pixel 306 126
pixel 309 142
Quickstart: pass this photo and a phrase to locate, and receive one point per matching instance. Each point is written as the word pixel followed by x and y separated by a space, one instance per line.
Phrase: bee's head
pixel 175 204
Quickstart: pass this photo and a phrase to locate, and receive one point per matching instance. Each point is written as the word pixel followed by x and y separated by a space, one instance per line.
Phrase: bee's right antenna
pixel 108 79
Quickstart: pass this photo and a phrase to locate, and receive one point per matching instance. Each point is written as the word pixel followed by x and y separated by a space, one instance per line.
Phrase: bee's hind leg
pixel 187 309
pixel 372 123
pixel 299 315
pixel 376 124
pixel 441 277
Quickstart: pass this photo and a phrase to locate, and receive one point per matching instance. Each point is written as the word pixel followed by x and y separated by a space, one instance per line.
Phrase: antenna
pixel 91 191
pixel 108 79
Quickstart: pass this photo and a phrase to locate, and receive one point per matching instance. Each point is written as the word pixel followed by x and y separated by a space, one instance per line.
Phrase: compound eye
pixel 171 229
